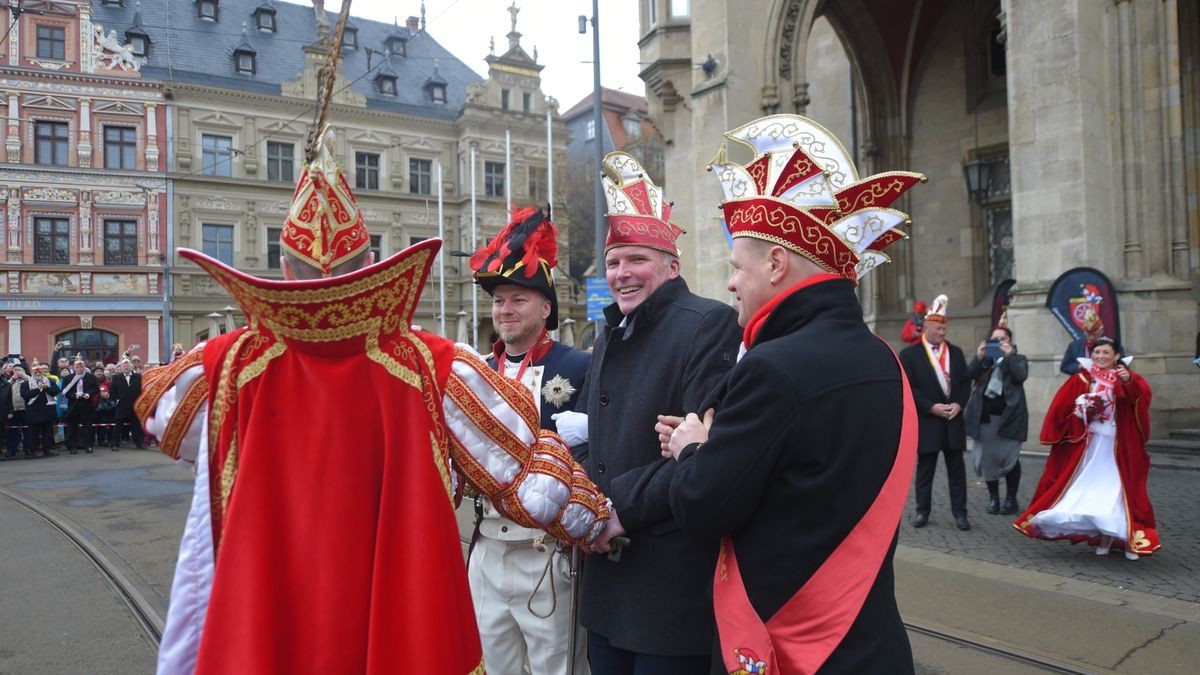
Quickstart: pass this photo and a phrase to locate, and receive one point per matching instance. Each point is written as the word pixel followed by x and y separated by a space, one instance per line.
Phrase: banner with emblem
pixel 1082 299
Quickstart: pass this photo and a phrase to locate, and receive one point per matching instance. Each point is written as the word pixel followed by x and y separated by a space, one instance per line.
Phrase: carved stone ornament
pixel 111 54
pixel 216 204
pixel 49 195
pixel 121 198
pixel 788 39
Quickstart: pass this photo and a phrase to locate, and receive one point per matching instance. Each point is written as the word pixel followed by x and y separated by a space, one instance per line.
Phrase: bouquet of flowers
pixel 1092 407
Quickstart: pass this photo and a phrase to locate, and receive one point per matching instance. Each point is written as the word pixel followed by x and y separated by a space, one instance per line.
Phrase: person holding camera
pixel 997 418
pixel 41 411
pixel 80 391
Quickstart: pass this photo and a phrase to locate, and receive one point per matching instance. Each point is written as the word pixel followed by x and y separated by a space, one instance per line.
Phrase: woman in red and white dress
pixel 1094 485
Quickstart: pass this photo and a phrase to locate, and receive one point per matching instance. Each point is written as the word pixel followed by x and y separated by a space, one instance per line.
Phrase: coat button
pixel 603 399
pixel 504 528
pixel 600 467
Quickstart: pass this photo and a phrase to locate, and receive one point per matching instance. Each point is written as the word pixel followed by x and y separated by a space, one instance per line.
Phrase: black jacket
pixel 125 394
pixel 806 434
pixel 937 433
pixel 40 406
pixel 1014 422
pixel 675 348
pixel 80 409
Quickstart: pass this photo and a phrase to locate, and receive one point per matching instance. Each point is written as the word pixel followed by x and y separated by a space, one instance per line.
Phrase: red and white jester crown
pixel 637 214
pixel 801 191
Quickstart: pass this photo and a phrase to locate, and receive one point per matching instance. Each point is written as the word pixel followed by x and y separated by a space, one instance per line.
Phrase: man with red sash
pixel 804 469
pixel 322 536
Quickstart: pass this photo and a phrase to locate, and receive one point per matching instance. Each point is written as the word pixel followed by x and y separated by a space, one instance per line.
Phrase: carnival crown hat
pixel 637 214
pixel 525 253
pixel 802 191
pixel 324 225
pixel 937 309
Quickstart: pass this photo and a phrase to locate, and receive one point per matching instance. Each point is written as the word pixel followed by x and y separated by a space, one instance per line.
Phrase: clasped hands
pixel 947 410
pixel 676 433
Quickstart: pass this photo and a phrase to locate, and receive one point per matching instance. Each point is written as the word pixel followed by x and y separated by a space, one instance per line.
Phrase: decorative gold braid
pixel 257 367
pixel 181 420
pixel 158 381
pixel 223 402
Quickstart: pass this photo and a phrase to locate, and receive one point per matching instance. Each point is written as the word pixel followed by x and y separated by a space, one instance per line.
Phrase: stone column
pixel 151 137
pixel 14 226
pixel 84 149
pixel 153 346
pixel 12 143
pixel 14 334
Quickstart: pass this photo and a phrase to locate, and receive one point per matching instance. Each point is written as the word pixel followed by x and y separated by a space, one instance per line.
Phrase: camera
pixel 991 350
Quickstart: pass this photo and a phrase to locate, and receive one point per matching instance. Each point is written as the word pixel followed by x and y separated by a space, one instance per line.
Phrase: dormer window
pixel 264 17
pixel 438 93
pixel 113 3
pixel 397 46
pixel 137 44
pixel 244 61
pixel 633 126
pixel 350 38
pixel 207 9
pixel 387 85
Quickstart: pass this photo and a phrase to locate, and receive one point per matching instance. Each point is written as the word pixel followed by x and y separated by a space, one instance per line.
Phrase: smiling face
pixel 519 314
pixel 80 367
pixel 935 332
pixel 1104 356
pixel 635 272
pixel 750 281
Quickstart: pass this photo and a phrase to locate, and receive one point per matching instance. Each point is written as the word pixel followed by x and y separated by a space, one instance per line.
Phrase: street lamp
pixel 978 174
pixel 229 310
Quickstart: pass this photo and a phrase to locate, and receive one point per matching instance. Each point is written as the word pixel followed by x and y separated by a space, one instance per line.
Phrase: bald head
pixel 295 269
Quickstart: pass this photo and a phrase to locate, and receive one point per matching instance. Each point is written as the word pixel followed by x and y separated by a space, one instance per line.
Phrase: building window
pixel 420 176
pixel 217 154
pixel 350 38
pixel 366 170
pixel 137 45
pixel 633 127
pixel 120 242
pixel 207 9
pixel 414 240
pixel 51 241
pixel 538 185
pixel 680 9
pixel 438 93
pixel 50 143
pixel 120 148
pixel 526 102
pixel 1000 243
pixel 279 161
pixel 51 42
pixel 396 46
pixel 387 85
pixel 493 179
pixel 266 20
pixel 652 12
pixel 589 132
pixel 244 62
pixel 504 95
pixel 218 242
pixel 377 246
pixel 273 250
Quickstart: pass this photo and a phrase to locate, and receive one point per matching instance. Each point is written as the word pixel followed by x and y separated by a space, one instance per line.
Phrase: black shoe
pixel 994 505
pixel 1010 505
pixel 88 450
pixel 73 451
pixel 961 523
pixel 920 520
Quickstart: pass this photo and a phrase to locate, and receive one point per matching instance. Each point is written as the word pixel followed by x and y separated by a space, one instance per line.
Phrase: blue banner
pixel 598 297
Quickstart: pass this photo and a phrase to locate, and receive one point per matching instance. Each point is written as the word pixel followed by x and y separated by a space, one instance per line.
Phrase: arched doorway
pixel 92 344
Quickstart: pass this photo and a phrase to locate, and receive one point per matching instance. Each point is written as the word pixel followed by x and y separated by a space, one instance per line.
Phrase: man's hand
pixel 691 430
pixel 955 409
pixel 572 426
pixel 612 528
pixel 664 428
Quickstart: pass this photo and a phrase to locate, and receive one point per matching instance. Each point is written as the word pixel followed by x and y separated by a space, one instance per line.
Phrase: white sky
pixel 464 27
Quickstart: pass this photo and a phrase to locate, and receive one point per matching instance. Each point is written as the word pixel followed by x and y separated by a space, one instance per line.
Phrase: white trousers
pixel 503 574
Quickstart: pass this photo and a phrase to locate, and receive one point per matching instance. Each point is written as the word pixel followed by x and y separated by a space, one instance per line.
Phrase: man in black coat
pixel 802 466
pixel 41 411
pixel 126 387
pixel 941 385
pixel 80 389
pixel 663 349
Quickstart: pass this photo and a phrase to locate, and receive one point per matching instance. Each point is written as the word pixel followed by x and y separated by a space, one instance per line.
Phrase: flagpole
pixel 550 160
pixel 441 257
pixel 474 246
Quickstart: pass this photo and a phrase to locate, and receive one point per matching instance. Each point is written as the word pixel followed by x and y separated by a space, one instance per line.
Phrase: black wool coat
pixel 125 394
pixel 936 432
pixel 673 351
pixel 806 432
pixel 40 406
pixel 1014 422
pixel 81 409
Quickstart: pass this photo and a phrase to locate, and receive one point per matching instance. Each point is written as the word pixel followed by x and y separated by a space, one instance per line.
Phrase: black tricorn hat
pixel 524 254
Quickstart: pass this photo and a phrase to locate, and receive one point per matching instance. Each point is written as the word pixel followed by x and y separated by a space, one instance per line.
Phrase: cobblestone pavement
pixel 1173 571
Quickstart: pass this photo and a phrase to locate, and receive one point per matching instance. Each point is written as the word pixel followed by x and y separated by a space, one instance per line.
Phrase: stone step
pixel 1185 434
pixel 1171 446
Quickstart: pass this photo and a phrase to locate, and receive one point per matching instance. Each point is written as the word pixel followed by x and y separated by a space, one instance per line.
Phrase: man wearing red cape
pixel 1094 485
pixel 321 536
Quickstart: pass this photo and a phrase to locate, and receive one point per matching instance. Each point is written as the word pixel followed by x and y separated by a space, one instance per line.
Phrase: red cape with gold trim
pixel 337 550
pixel 1068 437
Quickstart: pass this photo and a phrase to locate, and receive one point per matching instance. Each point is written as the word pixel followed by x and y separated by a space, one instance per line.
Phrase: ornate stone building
pixel 1086 111
pixel 83 198
pixel 240 77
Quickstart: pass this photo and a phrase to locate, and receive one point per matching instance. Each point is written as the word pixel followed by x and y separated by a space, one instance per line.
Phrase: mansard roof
pixel 195 50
